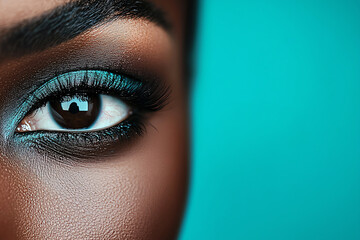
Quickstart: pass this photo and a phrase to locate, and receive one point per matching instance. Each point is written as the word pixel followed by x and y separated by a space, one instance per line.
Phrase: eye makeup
pixel 143 97
pixel 128 60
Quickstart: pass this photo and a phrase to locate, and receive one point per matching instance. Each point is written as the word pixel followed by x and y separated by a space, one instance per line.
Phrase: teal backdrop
pixel 276 121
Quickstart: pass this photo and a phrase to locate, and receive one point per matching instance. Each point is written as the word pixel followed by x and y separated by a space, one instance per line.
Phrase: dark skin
pixel 134 192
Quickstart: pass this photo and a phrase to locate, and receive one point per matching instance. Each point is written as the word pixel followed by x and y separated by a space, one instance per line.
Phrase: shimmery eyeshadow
pixel 144 97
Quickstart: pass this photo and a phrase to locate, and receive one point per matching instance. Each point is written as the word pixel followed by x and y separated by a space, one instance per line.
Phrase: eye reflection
pixel 80 112
pixel 77 112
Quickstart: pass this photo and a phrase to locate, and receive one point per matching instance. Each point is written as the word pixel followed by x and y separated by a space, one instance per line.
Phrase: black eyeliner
pixel 144 97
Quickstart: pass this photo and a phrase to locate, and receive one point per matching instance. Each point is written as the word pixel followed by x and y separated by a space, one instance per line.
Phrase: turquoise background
pixel 276 121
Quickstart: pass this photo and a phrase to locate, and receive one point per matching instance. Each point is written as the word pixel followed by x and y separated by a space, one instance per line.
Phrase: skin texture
pixel 137 193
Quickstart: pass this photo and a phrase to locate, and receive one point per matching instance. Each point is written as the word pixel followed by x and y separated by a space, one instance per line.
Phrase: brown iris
pixel 76 112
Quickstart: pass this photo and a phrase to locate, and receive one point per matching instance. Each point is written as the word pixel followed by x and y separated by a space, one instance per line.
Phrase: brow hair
pixel 71 19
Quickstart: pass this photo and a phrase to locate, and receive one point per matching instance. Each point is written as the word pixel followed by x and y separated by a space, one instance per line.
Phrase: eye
pixel 86 114
pixel 76 113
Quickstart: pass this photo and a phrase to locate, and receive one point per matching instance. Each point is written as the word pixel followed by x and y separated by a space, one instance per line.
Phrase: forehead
pixel 15 11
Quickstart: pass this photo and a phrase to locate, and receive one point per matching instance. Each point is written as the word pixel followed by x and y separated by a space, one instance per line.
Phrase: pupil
pixel 76 112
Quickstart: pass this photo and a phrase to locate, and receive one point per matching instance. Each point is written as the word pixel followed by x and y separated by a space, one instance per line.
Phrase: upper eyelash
pixel 142 95
pixel 151 95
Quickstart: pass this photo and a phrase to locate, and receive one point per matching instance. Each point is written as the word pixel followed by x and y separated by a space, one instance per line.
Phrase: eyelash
pixel 145 95
pixel 142 96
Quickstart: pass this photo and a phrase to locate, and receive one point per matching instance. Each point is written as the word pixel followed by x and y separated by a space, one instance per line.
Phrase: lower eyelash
pixel 68 147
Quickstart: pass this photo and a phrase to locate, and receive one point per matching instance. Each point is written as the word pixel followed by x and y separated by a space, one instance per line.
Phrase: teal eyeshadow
pixel 98 80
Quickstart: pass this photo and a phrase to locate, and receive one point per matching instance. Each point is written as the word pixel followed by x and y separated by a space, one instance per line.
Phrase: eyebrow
pixel 71 19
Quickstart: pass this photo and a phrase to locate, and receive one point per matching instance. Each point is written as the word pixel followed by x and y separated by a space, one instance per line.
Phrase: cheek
pixel 9 185
pixel 137 195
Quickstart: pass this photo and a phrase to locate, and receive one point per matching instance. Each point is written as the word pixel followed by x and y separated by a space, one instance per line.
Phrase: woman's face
pixel 93 119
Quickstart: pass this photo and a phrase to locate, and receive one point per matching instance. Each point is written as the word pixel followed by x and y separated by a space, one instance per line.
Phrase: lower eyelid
pixel 83 147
